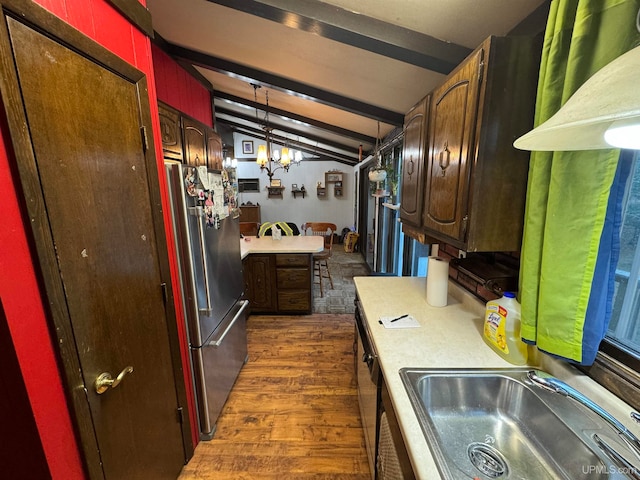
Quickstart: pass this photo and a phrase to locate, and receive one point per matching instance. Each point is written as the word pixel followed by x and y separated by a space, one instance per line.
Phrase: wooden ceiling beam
pixel 360 31
pixel 294 116
pixel 286 85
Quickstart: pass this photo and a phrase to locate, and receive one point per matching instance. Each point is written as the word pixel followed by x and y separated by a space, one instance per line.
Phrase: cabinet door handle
pixel 410 170
pixel 444 164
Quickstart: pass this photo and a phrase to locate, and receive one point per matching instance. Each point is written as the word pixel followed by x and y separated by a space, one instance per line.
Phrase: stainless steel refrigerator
pixel 208 245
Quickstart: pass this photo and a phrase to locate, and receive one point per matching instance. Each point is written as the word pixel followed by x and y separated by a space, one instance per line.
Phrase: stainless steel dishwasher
pixel 368 378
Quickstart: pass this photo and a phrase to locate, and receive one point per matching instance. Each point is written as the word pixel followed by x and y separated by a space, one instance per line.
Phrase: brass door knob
pixel 106 381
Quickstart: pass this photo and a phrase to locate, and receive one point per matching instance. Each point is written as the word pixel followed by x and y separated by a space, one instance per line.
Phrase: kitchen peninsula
pixel 447 337
pixel 278 274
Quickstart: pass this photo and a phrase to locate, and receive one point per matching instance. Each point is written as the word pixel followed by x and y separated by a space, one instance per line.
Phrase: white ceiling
pixel 335 68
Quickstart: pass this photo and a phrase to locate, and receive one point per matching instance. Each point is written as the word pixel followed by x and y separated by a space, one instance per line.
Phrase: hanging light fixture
pixel 268 159
pixel 378 174
pixel 603 113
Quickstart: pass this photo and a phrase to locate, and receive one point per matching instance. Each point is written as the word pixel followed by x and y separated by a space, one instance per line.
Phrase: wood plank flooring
pixel 293 412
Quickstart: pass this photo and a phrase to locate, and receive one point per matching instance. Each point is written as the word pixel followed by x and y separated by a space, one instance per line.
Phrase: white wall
pixel 338 210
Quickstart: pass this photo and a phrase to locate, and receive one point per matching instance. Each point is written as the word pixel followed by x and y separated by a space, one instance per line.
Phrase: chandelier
pixel 271 160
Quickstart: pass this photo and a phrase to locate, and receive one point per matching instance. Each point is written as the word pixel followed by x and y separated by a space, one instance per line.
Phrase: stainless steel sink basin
pixel 488 424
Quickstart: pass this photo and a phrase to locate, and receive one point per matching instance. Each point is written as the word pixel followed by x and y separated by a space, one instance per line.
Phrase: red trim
pixel 175 275
pixel 30 332
pixel 176 87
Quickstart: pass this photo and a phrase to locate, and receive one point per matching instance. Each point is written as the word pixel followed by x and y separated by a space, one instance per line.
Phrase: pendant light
pixel 603 113
pixel 270 159
pixel 378 174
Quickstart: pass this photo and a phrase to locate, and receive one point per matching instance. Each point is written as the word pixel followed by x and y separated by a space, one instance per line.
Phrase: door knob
pixel 106 381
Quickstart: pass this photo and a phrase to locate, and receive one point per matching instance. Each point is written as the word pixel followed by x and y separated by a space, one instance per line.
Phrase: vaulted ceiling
pixel 335 72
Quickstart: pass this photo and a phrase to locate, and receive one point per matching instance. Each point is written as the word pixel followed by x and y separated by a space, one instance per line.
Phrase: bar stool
pixel 320 259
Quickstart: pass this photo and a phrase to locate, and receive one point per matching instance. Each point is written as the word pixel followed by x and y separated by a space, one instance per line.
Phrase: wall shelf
pixel 336 178
pixel 298 192
pixel 275 192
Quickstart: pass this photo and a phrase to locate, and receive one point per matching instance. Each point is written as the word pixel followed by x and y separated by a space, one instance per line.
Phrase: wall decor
pixel 247 147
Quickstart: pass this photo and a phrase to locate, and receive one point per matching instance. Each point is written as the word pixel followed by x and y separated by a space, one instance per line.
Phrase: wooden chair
pixel 320 259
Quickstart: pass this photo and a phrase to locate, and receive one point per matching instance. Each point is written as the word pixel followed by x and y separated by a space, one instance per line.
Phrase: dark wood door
pixel 171 132
pixel 194 142
pixel 99 249
pixel 261 282
pixel 214 150
pixel 452 125
pixel 413 160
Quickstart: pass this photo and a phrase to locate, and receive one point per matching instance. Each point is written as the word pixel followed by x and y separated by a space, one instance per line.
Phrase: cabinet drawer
pixel 292 260
pixel 294 300
pixel 293 278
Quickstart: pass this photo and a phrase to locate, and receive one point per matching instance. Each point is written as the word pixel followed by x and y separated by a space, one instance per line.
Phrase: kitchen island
pixel 447 337
pixel 305 244
pixel 278 274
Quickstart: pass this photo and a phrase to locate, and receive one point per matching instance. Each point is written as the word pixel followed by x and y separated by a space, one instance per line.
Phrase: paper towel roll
pixel 437 281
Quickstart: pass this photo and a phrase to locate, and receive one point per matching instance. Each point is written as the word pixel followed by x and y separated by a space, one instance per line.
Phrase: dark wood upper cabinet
pixel 453 118
pixel 187 140
pixel 171 132
pixel 214 150
pixel 475 180
pixel 413 158
pixel 195 152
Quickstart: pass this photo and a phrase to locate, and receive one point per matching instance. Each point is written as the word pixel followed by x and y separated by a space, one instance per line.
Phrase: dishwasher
pixel 368 379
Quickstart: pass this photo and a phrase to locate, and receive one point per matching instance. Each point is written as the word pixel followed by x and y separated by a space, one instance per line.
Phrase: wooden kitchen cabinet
pixel 475 180
pixel 250 213
pixel 187 140
pixel 294 282
pixel 453 121
pixel 279 282
pixel 193 132
pixel 413 159
pixel 214 150
pixel 260 283
pixel 171 132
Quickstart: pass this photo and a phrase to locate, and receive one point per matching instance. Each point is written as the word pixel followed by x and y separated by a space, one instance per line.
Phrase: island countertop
pixel 448 337
pixel 287 244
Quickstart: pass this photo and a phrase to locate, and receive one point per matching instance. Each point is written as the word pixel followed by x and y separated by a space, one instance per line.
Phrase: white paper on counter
pixel 406 322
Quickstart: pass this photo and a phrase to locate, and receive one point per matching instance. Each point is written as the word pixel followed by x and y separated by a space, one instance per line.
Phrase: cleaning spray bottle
pixel 502 329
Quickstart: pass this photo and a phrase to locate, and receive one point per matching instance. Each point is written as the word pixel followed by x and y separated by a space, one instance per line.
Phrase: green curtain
pixel 568 192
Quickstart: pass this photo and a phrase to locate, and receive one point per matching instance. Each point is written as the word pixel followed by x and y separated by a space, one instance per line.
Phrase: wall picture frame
pixel 247 147
pixel 276 182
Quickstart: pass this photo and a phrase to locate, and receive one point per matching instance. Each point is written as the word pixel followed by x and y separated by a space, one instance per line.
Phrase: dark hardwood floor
pixel 293 412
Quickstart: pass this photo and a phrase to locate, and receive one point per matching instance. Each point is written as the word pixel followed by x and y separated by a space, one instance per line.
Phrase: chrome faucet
pixel 552 384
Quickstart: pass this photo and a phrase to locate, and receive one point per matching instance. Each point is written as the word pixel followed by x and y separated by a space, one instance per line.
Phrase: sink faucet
pixel 552 384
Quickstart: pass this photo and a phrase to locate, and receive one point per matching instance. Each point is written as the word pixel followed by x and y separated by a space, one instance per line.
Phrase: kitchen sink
pixel 496 424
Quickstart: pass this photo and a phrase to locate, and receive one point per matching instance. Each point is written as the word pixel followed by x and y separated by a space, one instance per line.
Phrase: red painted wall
pixel 18 285
pixel 176 87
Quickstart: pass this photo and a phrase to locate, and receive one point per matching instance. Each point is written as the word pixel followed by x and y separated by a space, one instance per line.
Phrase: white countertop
pixel 449 337
pixel 287 244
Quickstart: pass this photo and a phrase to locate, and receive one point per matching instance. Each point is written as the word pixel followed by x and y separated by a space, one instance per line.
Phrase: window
pixel 248 185
pixel 618 364
pixel 624 328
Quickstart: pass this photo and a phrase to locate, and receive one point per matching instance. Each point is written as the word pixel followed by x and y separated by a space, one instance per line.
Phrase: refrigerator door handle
pixel 199 213
pixel 218 342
